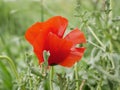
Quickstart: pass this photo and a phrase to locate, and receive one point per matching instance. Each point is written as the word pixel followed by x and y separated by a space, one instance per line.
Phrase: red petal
pixel 76 36
pixel 37 33
pixel 39 54
pixel 39 45
pixel 59 49
pixel 57 25
pixel 33 32
pixel 75 55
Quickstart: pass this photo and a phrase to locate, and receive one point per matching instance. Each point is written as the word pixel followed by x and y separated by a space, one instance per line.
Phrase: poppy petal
pixel 76 36
pixel 33 32
pixel 75 55
pixel 37 33
pixel 59 49
pixel 57 25
pixel 39 55
pixel 39 45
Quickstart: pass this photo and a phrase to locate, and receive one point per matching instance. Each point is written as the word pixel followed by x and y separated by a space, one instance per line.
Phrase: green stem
pixel 12 65
pixel 96 45
pixel 108 4
pixel 76 76
pixel 111 8
pixel 42 11
pixel 82 84
pixel 29 81
pixel 96 37
pixel 111 60
pixel 51 77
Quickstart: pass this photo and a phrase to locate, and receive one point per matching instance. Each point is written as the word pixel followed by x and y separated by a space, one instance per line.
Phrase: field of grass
pixel 99 68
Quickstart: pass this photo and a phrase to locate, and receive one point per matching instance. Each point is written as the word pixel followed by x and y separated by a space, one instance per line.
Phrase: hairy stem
pixel 82 84
pixel 96 45
pixel 51 78
pixel 96 37
pixel 42 11
pixel 76 76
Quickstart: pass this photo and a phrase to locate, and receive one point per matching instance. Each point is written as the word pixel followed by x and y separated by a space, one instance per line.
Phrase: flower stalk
pixel 42 11
pixel 96 37
pixel 76 76
pixel 51 77
pixel 95 45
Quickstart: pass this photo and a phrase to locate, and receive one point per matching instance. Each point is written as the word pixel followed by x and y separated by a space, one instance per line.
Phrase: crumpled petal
pixel 76 36
pixel 59 49
pixel 57 25
pixel 74 56
pixel 37 33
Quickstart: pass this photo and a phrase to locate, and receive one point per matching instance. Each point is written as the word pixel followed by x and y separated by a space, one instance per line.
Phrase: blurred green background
pixel 17 15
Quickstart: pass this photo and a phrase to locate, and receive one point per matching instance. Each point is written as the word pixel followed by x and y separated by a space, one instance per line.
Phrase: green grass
pixel 100 66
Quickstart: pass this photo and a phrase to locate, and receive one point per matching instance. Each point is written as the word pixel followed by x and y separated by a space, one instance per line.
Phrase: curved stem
pixel 96 37
pixel 96 45
pixel 42 11
pixel 51 77
pixel 12 65
pixel 111 2
pixel 76 76
pixel 82 84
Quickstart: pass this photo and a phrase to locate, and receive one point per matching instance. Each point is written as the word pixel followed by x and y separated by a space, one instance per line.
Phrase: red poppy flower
pixel 48 36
